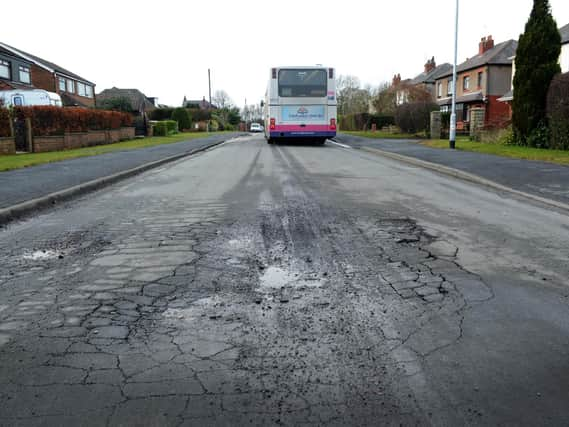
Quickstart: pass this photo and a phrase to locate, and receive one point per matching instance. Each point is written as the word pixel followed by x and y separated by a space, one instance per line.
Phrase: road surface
pixel 286 285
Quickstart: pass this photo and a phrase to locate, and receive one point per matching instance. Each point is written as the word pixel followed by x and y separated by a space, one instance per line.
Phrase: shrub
pixel 165 128
pixel 199 115
pixel 558 112
pixel 414 117
pixel 5 129
pixel 120 103
pixel 182 116
pixel 160 114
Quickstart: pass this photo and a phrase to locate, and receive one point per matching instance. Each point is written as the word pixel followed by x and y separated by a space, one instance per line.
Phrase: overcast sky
pixel 164 48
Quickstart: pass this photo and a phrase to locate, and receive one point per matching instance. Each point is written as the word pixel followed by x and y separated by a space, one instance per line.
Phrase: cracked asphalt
pixel 286 285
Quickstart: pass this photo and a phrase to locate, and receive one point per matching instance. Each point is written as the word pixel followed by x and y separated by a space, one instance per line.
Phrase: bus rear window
pixel 303 83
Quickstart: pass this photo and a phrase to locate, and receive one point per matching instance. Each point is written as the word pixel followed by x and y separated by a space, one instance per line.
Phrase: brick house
pixel 481 81
pixel 29 71
pixel 139 101
pixel 424 82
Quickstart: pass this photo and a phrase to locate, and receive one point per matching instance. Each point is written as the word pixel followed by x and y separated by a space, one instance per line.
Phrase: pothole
pixel 40 255
pixel 279 278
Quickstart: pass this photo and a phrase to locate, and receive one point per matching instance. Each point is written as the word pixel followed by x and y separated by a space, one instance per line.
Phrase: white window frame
pixel 81 90
pixel 25 70
pixel 440 89
pixel 89 91
pixel 466 83
pixel 450 83
pixel 8 67
pixel 70 84
pixel 62 82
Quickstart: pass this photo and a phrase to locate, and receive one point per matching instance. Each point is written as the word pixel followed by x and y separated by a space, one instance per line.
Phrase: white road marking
pixel 341 145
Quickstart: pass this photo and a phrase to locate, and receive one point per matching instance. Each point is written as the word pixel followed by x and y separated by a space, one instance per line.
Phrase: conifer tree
pixel 536 60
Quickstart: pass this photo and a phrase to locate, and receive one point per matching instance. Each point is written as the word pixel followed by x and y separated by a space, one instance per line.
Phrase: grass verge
pixel 18 161
pixel 526 153
pixel 382 135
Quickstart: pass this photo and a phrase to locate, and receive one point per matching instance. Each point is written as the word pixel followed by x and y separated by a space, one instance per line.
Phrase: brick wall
pixel 81 100
pixel 7 146
pixel 43 79
pixel 497 113
pixel 48 143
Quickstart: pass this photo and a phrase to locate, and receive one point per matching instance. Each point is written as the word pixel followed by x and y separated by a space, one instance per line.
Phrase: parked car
pixel 256 127
pixel 29 97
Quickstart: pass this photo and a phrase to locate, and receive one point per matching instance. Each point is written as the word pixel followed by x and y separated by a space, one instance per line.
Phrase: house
pixel 139 101
pixel 202 105
pixel 563 62
pixel 564 58
pixel 19 69
pixel 481 81
pixel 424 83
pixel 15 72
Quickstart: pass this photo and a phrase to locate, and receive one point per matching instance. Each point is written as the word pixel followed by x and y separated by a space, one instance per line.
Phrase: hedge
pixel 5 129
pixel 558 112
pixel 363 121
pixel 160 114
pixel 165 127
pixel 49 120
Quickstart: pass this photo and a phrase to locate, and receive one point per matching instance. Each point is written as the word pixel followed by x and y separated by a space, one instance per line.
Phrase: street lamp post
pixel 452 133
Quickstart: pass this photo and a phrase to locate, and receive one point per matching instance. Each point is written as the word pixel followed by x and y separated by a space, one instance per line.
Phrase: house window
pixel 466 83
pixel 449 86
pixel 70 86
pixel 25 74
pixel 89 91
pixel 444 109
pixel 61 82
pixel 81 89
pixel 480 75
pixel 439 89
pixel 4 69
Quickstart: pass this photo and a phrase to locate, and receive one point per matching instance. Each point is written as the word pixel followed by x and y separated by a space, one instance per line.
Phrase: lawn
pixel 31 159
pixel 527 153
pixel 382 135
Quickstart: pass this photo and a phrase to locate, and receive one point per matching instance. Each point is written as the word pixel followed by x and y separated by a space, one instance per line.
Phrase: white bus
pixel 300 103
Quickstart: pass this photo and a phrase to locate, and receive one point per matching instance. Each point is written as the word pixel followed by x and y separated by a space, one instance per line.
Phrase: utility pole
pixel 209 83
pixel 452 133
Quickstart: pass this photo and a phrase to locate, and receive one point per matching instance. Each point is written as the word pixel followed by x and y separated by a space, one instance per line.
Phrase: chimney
pixel 430 65
pixel 396 79
pixel 486 43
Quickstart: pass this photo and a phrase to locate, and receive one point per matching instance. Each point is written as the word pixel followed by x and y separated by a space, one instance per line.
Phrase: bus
pixel 300 104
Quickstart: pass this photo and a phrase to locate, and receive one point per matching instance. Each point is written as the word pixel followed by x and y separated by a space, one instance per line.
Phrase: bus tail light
pixel 272 124
pixel 332 124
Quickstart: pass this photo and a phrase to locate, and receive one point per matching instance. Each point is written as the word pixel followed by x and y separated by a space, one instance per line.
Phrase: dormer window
pixel 61 83
pixel 4 69
pixel 25 76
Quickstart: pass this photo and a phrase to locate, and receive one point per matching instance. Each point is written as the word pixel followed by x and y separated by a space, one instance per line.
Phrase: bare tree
pixel 221 99
pixel 352 98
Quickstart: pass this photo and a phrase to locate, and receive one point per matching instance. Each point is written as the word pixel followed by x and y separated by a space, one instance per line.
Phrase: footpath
pixel 539 179
pixel 26 189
